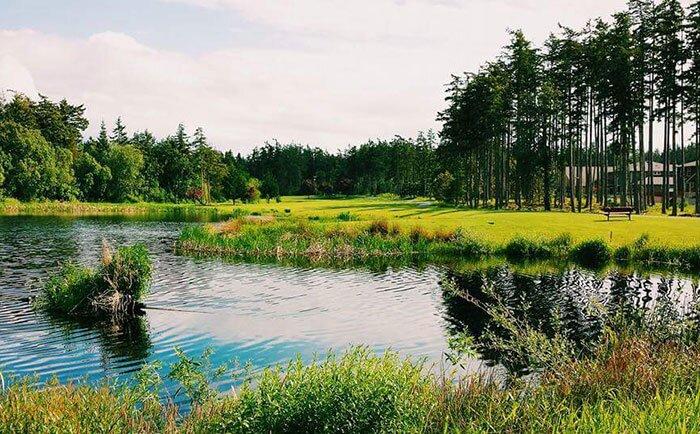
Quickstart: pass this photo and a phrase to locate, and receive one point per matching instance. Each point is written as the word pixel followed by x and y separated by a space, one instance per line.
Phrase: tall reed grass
pixel 630 385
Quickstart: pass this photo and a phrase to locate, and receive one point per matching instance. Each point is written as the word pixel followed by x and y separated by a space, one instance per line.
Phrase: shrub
pixel 347 216
pixel 129 271
pixel 591 253
pixel 70 289
pixel 419 233
pixel 354 392
pixel 623 254
pixel 379 227
pixel 472 248
pixel 287 210
pixel 394 230
pixel 559 246
pixel 522 249
pixel 445 235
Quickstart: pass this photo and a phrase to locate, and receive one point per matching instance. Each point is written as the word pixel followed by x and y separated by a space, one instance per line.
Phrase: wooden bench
pixel 618 210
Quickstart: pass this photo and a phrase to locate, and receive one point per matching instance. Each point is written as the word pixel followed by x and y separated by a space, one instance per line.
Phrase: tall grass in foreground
pixel 630 385
pixel 55 408
pixel 256 239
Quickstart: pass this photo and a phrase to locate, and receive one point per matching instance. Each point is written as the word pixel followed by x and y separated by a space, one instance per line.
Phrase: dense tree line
pixel 572 123
pixel 43 156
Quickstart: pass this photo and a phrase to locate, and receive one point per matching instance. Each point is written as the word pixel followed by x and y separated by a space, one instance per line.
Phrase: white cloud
pixel 354 70
pixel 14 77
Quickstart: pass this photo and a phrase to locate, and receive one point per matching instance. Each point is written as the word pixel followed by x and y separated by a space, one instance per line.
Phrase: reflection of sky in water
pixel 259 314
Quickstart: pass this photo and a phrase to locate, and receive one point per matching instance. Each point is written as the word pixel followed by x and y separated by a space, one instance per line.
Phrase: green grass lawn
pixel 492 225
pixel 488 225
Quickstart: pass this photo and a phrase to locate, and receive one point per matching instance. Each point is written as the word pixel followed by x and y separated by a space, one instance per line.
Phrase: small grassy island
pixel 114 289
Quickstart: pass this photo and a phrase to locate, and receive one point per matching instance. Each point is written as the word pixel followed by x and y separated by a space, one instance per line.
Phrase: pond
pixel 267 314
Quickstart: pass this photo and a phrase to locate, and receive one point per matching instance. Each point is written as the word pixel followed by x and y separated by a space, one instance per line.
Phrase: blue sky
pixel 163 25
pixel 321 72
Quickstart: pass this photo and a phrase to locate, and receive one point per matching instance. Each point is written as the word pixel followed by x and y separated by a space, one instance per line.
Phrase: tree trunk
pixel 675 166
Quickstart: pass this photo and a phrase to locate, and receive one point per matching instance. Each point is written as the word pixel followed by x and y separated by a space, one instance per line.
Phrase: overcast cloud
pixel 321 72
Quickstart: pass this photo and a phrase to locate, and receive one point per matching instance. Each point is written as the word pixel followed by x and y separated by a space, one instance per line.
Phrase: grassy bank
pixel 631 385
pixel 494 227
pixel 340 241
pixel 143 210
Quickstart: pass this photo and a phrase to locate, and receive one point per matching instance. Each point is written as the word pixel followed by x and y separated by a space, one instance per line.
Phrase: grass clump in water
pixel 115 288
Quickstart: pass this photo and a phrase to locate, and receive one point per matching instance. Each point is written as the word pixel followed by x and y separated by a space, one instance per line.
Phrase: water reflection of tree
pixel 570 302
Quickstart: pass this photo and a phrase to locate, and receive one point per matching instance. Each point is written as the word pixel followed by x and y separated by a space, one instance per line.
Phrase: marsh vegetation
pixel 265 237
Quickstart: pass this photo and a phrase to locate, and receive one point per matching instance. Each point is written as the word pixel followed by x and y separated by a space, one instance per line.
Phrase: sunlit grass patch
pixel 496 227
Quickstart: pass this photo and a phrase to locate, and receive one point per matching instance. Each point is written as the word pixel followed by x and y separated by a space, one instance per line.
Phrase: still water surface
pixel 267 314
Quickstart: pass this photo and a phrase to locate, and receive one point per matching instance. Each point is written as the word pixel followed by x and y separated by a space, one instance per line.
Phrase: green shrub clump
pixel 592 253
pixel 347 216
pixel 129 271
pixel 69 289
pixel 355 392
pixel 524 249
pixel 120 281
